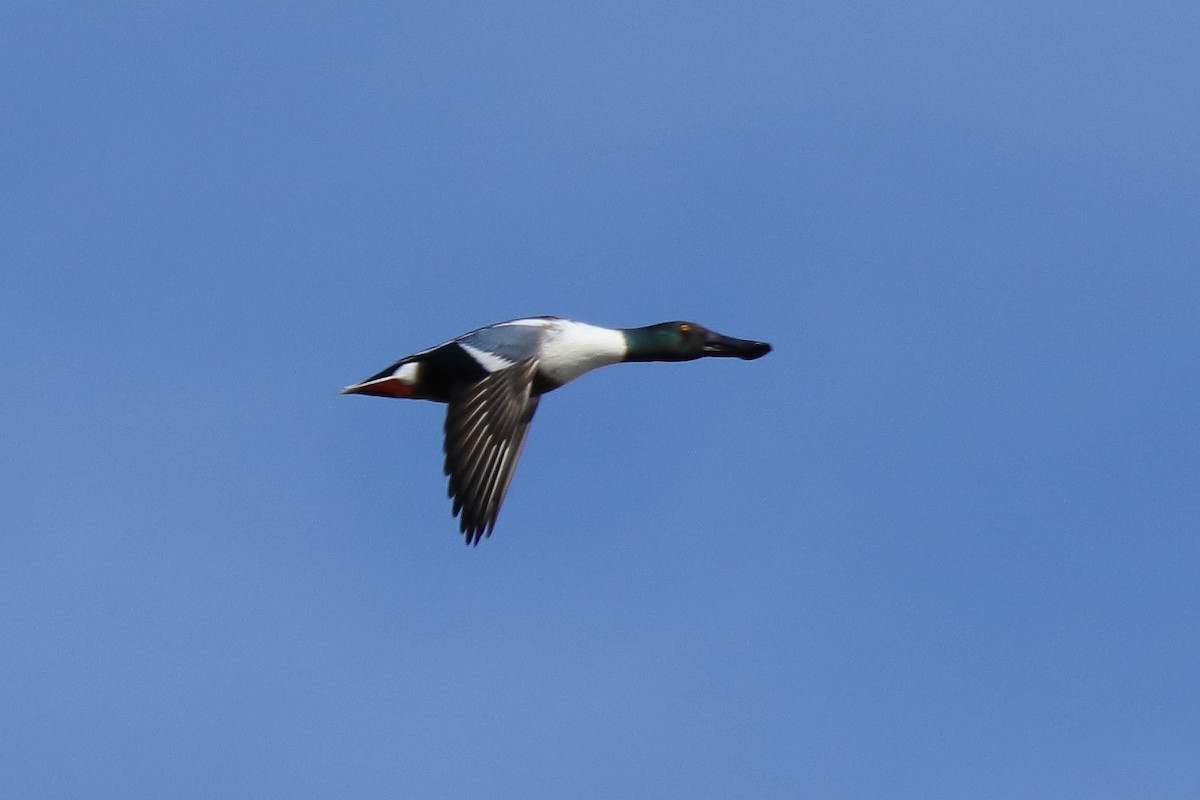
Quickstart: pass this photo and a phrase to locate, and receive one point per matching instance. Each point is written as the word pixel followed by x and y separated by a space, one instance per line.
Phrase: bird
pixel 492 378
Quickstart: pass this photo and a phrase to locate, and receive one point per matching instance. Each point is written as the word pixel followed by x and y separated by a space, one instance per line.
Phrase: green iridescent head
pixel 685 341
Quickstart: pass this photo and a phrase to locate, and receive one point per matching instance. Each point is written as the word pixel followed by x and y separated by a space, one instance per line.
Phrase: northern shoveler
pixel 492 378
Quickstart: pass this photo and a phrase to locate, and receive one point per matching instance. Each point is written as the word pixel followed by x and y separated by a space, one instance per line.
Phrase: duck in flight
pixel 492 378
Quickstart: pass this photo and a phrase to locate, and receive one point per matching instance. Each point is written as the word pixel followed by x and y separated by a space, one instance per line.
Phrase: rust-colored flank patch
pixel 384 387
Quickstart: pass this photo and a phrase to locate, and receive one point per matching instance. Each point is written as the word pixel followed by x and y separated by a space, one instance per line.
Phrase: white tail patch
pixel 407 373
pixel 401 383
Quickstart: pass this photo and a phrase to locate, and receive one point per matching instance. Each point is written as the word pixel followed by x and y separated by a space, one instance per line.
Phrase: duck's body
pixel 493 377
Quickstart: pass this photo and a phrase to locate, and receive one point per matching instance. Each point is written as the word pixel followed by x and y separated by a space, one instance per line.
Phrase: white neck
pixel 573 348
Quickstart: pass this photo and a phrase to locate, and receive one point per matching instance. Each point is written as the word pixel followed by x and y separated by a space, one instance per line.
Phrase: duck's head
pixel 685 341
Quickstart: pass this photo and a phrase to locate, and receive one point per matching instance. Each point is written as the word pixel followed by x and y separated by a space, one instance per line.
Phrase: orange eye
pixel 685 327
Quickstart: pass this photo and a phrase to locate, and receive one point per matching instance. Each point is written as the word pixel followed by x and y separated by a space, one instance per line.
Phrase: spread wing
pixel 486 423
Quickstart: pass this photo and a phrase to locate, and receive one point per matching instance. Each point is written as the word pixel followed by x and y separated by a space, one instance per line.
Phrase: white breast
pixel 573 348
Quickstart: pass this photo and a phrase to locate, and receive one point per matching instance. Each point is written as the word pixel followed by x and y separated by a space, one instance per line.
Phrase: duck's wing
pixel 486 424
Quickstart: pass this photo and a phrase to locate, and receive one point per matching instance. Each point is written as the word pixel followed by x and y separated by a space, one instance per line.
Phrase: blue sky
pixel 940 543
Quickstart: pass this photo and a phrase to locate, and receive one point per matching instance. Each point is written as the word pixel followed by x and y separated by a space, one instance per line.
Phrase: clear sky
pixel 941 543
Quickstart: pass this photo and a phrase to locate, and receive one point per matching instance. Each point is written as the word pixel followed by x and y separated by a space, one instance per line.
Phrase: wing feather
pixel 486 426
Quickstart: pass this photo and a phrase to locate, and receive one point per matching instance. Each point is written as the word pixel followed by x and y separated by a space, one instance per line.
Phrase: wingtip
pixel 473 534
